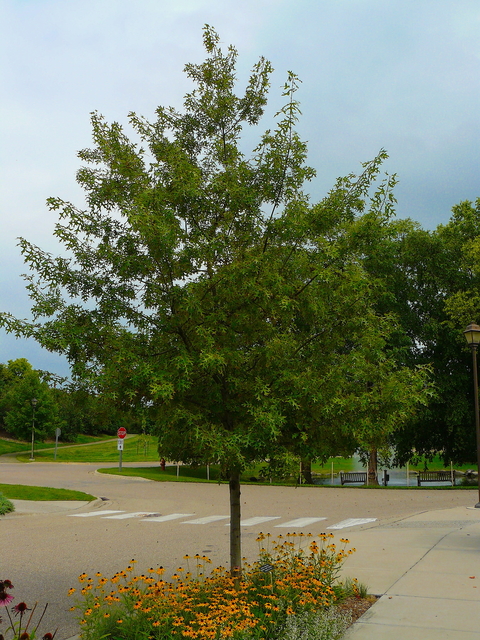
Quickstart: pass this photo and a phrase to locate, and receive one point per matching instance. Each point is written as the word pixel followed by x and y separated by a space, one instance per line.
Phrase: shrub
pixel 328 624
pixel 5 505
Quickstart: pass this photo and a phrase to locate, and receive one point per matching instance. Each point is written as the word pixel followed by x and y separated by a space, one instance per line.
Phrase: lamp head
pixel 472 334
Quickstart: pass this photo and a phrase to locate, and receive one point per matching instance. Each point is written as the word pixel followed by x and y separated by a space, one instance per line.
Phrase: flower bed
pixel 292 588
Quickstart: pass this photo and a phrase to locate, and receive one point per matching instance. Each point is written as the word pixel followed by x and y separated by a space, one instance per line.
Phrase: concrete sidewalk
pixel 23 507
pixel 427 570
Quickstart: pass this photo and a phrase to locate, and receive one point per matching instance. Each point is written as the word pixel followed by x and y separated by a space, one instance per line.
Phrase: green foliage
pixel 82 411
pixel 72 407
pixel 5 505
pixel 21 385
pixel 329 624
pixel 11 373
pixel 430 283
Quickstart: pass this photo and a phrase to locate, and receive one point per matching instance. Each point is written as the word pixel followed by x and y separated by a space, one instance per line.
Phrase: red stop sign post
pixel 121 433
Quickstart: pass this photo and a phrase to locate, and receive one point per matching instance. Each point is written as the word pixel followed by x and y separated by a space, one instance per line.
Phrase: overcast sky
pixel 399 74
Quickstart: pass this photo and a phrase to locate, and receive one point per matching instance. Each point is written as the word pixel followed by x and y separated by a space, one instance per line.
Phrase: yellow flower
pixel 70 591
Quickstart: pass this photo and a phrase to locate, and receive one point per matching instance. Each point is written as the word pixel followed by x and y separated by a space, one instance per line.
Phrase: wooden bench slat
pixel 435 476
pixel 353 476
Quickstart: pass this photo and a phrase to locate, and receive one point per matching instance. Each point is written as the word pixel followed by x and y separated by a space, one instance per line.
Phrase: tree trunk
pixel 307 470
pixel 372 467
pixel 235 533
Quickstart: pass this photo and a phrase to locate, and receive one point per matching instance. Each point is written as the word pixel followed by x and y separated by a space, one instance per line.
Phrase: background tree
pixel 20 385
pixel 201 282
pixel 82 411
pixel 10 373
pixel 424 274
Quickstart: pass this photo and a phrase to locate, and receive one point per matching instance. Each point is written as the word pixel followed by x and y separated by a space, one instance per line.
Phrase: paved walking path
pixel 427 570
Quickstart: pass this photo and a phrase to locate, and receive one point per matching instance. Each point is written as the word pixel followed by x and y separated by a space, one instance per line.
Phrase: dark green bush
pixel 5 505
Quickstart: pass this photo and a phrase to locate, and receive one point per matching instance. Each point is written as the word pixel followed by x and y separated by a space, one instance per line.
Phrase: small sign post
pixel 121 433
pixel 58 433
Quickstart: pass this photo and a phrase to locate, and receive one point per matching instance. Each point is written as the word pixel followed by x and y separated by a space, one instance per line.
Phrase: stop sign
pixel 122 432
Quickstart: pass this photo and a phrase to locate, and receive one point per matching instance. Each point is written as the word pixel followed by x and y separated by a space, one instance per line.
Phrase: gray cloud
pixel 401 74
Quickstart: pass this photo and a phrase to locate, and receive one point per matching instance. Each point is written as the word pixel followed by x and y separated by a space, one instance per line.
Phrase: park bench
pixel 353 476
pixel 435 476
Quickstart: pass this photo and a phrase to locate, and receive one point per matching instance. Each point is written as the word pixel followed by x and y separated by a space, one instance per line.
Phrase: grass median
pixel 12 447
pixel 25 492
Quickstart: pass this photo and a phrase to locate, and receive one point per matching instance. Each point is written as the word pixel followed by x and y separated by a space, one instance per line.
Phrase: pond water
pixel 397 478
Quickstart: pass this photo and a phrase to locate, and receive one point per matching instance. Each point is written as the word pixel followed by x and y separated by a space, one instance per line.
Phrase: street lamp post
pixel 34 404
pixel 472 334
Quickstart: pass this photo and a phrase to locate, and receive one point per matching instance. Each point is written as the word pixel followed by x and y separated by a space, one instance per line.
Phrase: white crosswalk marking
pixel 171 516
pixel 251 522
pixel 351 522
pixel 149 516
pixel 300 522
pixel 133 514
pixel 206 520
pixel 94 513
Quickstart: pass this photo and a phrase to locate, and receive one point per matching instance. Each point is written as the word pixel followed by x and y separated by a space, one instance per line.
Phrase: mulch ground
pixel 356 607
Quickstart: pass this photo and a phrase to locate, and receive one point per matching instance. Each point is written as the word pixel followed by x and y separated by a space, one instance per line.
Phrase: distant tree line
pixel 59 404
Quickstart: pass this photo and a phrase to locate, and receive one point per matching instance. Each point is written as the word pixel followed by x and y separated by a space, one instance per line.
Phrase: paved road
pixel 47 546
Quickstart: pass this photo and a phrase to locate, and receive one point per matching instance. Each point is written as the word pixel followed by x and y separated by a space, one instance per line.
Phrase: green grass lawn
pixel 14 446
pixel 136 449
pixel 9 446
pixel 187 474
pixel 25 492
